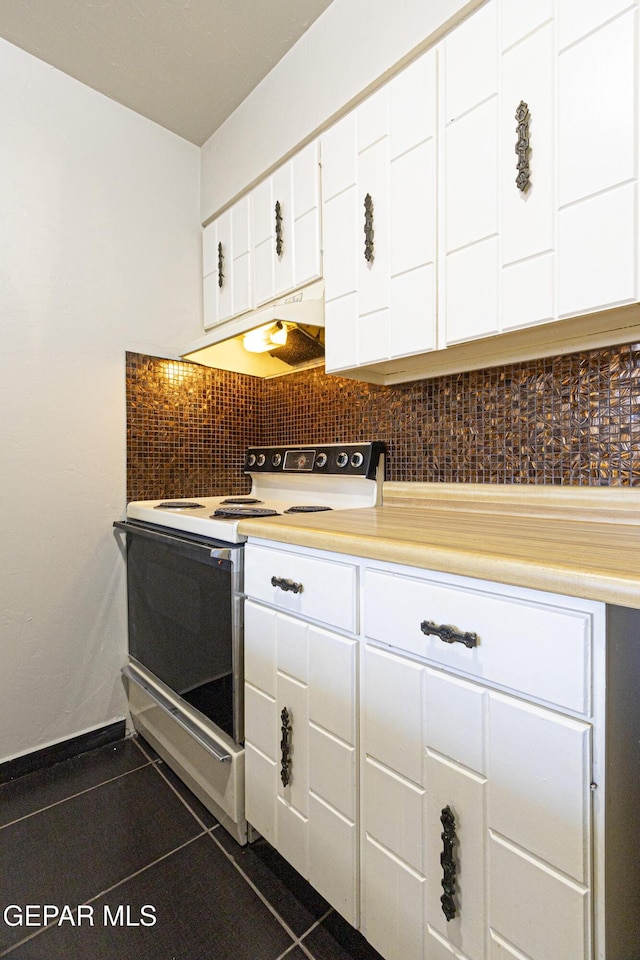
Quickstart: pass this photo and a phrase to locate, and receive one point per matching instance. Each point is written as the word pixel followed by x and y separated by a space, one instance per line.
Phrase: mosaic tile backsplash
pixel 564 420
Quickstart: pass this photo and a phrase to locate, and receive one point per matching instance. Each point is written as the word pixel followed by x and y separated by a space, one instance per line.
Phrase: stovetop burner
pixel 297 479
pixel 179 505
pixel 242 500
pixel 238 513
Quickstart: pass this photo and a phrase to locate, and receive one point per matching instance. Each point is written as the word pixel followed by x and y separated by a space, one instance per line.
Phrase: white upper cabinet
pixel 598 160
pixel 528 257
pixel 286 226
pixel 379 223
pixel 226 262
pixel 528 110
pixel 488 188
pixel 471 176
pixel 267 243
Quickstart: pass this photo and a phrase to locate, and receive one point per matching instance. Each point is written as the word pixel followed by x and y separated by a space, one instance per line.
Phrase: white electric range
pixel 185 582
pixel 284 480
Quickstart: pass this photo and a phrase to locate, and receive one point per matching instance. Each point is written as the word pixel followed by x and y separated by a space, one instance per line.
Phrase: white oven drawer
pixel 309 586
pixel 211 765
pixel 541 649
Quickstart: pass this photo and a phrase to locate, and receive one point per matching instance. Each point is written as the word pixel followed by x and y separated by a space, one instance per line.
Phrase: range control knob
pixel 276 460
pixel 321 460
pixel 260 460
pixel 251 459
pixel 342 459
pixel 357 459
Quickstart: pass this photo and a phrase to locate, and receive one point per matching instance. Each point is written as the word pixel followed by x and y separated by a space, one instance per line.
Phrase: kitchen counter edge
pixel 578 541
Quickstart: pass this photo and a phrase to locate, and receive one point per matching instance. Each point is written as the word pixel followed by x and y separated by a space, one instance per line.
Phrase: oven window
pixel 180 625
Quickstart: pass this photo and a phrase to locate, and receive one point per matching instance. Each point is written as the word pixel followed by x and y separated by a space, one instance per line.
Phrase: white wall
pixel 99 253
pixel 342 54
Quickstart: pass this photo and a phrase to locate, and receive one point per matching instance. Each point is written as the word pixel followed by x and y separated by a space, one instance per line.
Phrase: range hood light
pixel 295 324
pixel 265 338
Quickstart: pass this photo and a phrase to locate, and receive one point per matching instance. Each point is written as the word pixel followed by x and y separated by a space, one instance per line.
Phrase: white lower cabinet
pixel 515 778
pixel 301 764
pixel 481 804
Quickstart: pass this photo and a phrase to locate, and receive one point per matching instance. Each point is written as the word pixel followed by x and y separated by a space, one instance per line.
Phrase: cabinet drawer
pixel 319 589
pixel 535 648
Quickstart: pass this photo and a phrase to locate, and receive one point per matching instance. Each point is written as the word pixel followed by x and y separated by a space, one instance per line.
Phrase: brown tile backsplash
pixel 564 420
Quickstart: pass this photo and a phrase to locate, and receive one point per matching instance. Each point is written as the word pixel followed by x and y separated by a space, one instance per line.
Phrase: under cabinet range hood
pixel 280 337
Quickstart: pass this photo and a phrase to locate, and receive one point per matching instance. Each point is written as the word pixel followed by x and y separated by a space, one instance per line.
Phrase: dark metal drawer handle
pixel 220 266
pixel 448 864
pixel 286 584
pixel 447 633
pixel 368 229
pixel 279 242
pixel 522 146
pixel 285 748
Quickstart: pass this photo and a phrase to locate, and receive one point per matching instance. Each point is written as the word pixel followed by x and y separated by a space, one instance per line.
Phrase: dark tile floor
pixel 140 870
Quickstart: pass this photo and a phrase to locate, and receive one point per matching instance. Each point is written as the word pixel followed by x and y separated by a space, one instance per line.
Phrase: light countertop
pixel 581 541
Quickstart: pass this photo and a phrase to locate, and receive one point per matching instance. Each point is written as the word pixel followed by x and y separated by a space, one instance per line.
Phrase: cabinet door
pixel 217 258
pixel 539 823
pixel 457 793
pixel 209 275
pixel 413 215
pixel 456 786
pixel 286 226
pixel 311 818
pixel 242 280
pixel 471 177
pixel 379 188
pixel 265 258
pixel 226 259
pixel 333 847
pixel 341 243
pixel 597 165
pixel 306 212
pixel 374 272
pixel 528 217
pixel 392 805
pixel 261 719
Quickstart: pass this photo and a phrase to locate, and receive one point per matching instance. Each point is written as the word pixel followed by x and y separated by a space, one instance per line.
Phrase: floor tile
pixel 335 939
pixel 19 798
pixel 295 954
pixel 204 911
pixel 293 899
pixel 71 852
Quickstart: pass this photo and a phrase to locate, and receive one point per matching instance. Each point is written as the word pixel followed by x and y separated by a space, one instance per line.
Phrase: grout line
pixel 287 952
pixel 114 886
pixel 72 796
pixel 305 949
pixel 316 924
pixel 257 892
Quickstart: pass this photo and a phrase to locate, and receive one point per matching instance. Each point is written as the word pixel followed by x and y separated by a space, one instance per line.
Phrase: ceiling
pixel 186 64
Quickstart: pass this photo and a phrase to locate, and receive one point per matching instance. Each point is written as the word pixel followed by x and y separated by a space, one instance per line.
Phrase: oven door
pixel 185 619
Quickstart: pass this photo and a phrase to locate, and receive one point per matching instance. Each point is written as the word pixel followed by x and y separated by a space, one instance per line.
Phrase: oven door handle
pixel 187 547
pixel 210 745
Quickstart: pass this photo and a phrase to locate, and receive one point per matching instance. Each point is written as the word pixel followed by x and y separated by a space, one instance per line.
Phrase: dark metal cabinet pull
pixel 448 634
pixel 368 228
pixel 447 862
pixel 279 244
pixel 522 146
pixel 285 748
pixel 220 266
pixel 286 585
